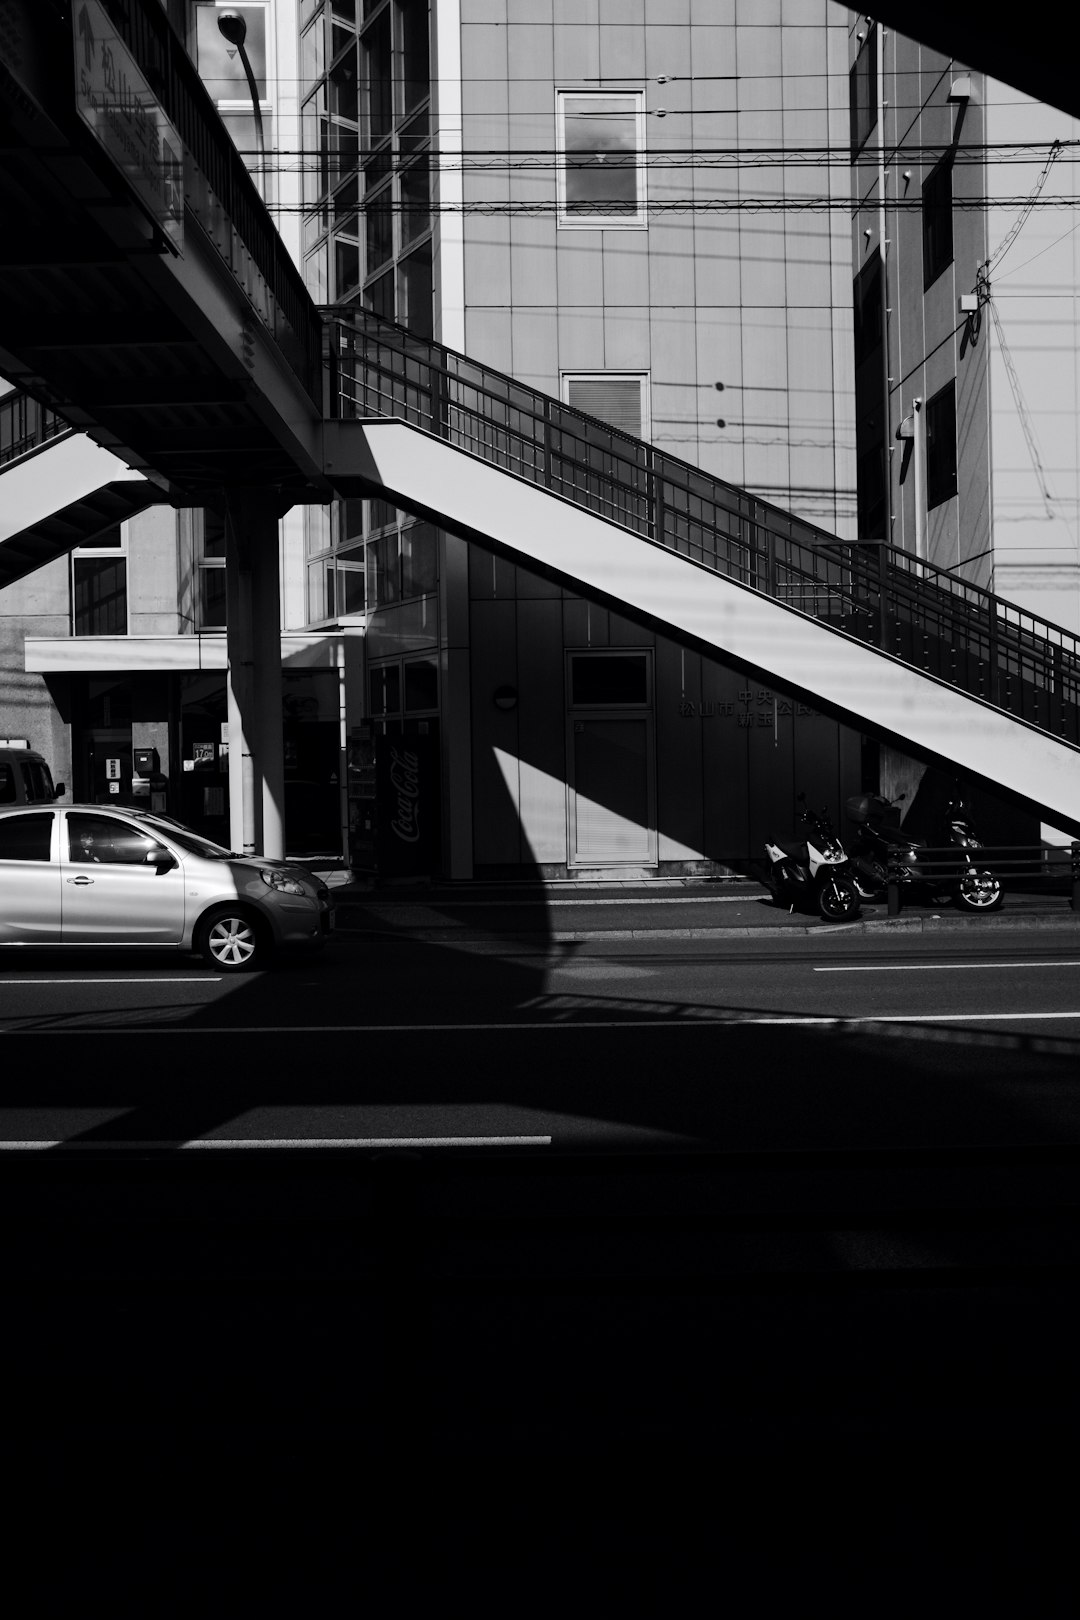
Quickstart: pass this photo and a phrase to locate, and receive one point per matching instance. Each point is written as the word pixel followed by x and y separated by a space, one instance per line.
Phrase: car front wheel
pixel 232 942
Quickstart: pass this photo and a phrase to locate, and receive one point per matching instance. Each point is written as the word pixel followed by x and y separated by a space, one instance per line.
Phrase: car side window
pixel 26 838
pixel 7 785
pixel 99 840
pixel 37 781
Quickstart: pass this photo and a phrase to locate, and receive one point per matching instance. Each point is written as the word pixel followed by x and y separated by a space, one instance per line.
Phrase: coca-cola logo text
pixel 405 780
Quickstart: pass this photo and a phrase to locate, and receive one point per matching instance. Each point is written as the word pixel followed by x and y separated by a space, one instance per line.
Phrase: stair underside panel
pixel 868 689
pixel 57 477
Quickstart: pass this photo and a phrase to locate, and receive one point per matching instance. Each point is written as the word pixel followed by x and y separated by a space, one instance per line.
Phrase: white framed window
pixel 619 398
pixel 600 142
pixel 99 596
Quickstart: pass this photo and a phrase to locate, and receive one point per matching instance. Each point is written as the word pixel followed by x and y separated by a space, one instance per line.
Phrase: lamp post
pixel 233 27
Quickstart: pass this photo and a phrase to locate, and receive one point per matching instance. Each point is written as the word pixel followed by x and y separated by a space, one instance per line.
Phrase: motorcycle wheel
pixel 839 900
pixel 979 891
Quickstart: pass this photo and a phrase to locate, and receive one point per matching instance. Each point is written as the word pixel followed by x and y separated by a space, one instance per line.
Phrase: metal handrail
pixel 1028 863
pixel 902 605
pixel 25 425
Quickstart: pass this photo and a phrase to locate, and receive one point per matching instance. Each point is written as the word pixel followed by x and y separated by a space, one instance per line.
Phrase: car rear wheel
pixel 232 941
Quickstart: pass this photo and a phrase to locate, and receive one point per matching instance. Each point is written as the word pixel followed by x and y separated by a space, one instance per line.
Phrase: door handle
pixel 82 881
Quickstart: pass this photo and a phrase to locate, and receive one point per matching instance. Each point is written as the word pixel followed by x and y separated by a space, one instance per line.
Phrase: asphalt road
pixel 604 1043
pixel 713 1238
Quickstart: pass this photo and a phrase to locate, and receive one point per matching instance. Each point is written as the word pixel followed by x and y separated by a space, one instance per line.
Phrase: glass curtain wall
pixel 367 156
pixel 366 126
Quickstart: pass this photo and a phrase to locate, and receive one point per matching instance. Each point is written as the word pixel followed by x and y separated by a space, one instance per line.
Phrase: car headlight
pixel 279 881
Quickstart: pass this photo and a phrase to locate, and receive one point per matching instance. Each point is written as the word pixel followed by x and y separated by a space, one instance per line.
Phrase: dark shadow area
pixel 808 1318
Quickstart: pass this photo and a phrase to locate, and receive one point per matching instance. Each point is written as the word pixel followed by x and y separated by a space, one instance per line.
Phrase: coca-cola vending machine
pixel 407 805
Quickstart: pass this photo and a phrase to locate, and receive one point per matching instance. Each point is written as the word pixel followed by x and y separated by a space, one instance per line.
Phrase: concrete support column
pixel 253 638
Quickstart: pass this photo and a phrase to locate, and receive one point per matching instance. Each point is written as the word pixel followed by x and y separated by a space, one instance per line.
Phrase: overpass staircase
pixel 41 454
pixel 881 639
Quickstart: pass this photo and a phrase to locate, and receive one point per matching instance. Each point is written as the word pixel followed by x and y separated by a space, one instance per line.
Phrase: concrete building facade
pixel 628 206
pixel 965 261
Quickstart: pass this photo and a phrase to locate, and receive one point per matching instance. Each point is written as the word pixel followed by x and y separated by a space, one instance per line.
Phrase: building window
pixel 937 221
pixel 369 555
pixel 408 687
pixel 210 571
pixel 862 83
pixel 601 152
pixel 619 399
pixel 352 595
pixel 870 402
pixel 941 446
pixel 607 680
pixel 99 586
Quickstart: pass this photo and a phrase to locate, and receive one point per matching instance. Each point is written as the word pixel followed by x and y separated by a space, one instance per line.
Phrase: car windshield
pixel 191 841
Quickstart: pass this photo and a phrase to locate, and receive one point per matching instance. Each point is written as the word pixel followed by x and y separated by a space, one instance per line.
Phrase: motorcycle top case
pixel 864 807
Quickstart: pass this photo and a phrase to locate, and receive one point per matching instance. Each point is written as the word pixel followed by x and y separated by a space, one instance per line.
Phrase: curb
pixel 1069 922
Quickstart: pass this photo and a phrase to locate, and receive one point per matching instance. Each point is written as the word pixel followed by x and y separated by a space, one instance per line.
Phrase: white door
pixel 611 807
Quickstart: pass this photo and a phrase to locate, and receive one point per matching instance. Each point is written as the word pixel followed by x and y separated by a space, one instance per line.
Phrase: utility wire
pixel 1024 214
pixel 1026 424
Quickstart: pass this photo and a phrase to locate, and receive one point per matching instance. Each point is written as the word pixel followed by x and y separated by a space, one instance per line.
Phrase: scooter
pixel 880 847
pixel 814 874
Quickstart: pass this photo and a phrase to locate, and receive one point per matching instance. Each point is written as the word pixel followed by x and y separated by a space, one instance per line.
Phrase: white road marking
pixel 938 967
pixel 240 1142
pixel 698 1021
pixel 18 983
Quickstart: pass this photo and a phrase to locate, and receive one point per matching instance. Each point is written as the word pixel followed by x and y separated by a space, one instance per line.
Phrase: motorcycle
pixel 815 873
pixel 881 848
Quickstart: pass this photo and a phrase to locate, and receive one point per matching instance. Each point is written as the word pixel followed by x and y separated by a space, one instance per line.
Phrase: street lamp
pixel 232 26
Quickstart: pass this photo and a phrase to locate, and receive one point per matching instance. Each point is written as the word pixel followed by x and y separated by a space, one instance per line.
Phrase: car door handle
pixel 80 880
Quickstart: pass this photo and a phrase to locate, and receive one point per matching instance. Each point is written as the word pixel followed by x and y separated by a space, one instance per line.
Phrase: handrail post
pixel 440 399
pixel 992 656
pixel 1075 900
pixel 883 595
pixel 656 502
pixel 331 343
pixel 1057 691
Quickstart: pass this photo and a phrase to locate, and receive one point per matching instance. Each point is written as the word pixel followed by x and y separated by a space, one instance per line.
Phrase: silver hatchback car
pixel 88 875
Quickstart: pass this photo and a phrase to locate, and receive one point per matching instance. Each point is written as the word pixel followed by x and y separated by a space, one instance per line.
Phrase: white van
pixel 24 776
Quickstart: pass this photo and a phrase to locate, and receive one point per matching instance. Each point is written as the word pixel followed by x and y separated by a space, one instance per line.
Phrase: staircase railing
pixel 25 425
pixel 923 615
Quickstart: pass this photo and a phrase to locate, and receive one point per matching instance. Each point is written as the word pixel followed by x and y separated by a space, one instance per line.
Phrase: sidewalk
pixel 692 908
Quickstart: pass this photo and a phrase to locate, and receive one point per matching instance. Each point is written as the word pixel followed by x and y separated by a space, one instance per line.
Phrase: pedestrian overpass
pixel 168 325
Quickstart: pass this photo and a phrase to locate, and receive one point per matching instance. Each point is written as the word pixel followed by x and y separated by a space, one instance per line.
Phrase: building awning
pixel 54 655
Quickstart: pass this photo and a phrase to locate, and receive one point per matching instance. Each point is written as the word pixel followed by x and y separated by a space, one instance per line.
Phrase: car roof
pixel 93 809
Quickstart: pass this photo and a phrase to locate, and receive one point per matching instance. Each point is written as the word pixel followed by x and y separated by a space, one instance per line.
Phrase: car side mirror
pixel 59 790
pixel 161 858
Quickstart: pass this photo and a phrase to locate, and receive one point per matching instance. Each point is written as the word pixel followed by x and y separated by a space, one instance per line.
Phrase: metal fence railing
pixel 25 425
pixel 220 192
pixel 1020 867
pixel 886 598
